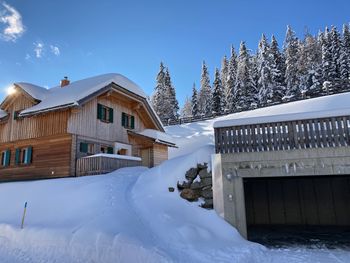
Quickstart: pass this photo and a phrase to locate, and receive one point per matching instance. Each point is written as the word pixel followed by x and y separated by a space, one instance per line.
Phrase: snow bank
pixel 189 233
pixel 322 107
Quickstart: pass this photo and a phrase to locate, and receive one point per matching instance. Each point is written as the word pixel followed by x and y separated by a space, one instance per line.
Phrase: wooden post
pixel 24 214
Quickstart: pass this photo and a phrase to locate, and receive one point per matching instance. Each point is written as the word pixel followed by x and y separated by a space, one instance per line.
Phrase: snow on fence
pixel 299 134
pixel 101 164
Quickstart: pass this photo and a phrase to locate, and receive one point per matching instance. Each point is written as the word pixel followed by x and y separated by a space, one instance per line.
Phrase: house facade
pixel 44 132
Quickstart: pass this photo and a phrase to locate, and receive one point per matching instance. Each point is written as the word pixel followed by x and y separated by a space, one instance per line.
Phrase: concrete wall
pixel 230 169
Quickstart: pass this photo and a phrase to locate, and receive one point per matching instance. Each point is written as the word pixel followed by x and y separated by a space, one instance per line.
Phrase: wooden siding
pixel 301 134
pixel 102 165
pixel 84 121
pixel 51 158
pixel 159 153
pixel 31 127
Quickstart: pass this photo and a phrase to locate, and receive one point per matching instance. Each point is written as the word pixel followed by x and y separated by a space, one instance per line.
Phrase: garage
pixel 297 207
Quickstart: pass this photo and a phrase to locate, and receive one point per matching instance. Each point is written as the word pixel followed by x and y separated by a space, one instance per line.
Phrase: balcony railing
pixel 299 134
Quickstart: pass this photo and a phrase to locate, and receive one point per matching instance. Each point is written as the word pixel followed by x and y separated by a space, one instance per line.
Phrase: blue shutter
pixel 123 119
pixel 83 147
pixel 7 157
pixel 29 155
pixel 99 111
pixel 132 122
pixel 17 156
pixel 110 111
pixel 110 150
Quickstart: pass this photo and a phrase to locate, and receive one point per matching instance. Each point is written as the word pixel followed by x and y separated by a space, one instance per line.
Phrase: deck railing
pixel 102 164
pixel 300 134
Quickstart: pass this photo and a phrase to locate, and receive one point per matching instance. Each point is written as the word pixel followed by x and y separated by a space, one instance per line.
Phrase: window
pixel 104 113
pixel 24 155
pixel 15 114
pixel 107 149
pixel 88 148
pixel 128 121
pixel 5 158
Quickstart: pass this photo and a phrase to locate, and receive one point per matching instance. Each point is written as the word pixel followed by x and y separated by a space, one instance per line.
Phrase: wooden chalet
pixel 90 126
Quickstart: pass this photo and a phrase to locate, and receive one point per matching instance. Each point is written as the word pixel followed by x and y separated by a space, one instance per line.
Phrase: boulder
pixel 207 194
pixel 189 195
pixel 171 189
pixel 196 186
pixel 191 174
pixel 208 204
pixel 183 185
pixel 204 174
pixel 206 182
pixel 202 166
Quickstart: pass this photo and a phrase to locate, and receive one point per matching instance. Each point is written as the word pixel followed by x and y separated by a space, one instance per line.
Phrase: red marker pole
pixel 24 215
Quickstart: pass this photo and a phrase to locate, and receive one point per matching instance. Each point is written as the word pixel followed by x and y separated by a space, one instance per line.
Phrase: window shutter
pixel 110 150
pixel 110 115
pixel 17 156
pixel 29 155
pixel 123 119
pixel 99 111
pixel 83 147
pixel 132 122
pixel 7 157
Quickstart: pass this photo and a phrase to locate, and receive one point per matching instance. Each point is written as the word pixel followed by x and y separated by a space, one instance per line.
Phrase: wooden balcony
pixel 104 163
pixel 287 135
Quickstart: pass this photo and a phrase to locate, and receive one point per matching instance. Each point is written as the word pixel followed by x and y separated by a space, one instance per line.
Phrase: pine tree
pixel 264 76
pixel 171 103
pixel 218 95
pixel 291 51
pixel 335 51
pixel 345 54
pixel 205 94
pixel 159 95
pixel 224 77
pixel 231 82
pixel 245 91
pixel 194 102
pixel 277 72
pixel 186 110
pixel 326 56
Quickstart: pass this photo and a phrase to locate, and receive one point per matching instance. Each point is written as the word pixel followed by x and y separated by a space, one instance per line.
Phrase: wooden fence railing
pixel 301 134
pixel 102 165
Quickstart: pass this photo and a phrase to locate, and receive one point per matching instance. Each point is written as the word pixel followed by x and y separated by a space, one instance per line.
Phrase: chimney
pixel 65 82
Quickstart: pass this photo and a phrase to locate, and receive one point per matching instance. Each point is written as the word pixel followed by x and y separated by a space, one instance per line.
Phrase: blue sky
pixel 41 41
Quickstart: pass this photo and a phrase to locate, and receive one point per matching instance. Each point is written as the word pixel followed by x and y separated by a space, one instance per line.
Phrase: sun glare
pixel 11 90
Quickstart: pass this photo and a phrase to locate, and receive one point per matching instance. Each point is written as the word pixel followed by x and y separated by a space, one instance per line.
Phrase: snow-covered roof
pixel 34 91
pixel 321 107
pixel 157 136
pixel 71 94
pixel 2 114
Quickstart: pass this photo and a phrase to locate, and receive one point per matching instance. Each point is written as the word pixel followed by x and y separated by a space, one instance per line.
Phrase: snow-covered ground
pixel 130 216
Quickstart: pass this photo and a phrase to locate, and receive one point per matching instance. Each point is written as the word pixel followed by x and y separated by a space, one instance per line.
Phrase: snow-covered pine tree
pixel 159 96
pixel 194 102
pixel 277 72
pixel 218 95
pixel 245 92
pixel 264 84
pixel 171 103
pixel 326 56
pixel 224 77
pixel 345 54
pixel 291 51
pixel 186 110
pixel 231 82
pixel 205 94
pixel 335 52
